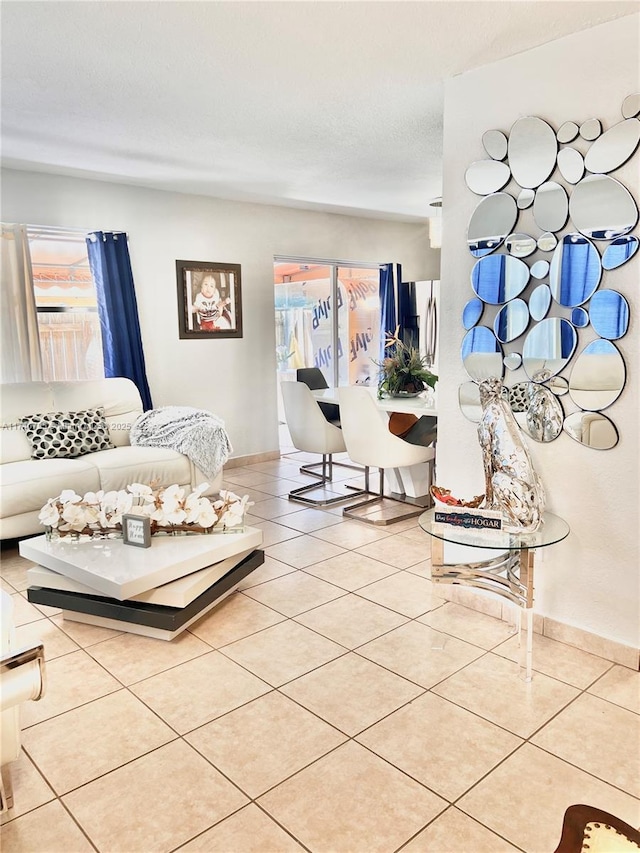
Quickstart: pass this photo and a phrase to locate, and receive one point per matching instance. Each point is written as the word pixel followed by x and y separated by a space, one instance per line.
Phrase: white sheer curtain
pixel 20 360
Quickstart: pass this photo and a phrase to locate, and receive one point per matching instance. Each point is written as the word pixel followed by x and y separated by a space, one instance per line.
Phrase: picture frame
pixel 209 299
pixel 136 530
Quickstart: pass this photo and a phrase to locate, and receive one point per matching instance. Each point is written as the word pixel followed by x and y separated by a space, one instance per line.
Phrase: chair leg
pixel 6 789
pixel 350 511
pixel 299 495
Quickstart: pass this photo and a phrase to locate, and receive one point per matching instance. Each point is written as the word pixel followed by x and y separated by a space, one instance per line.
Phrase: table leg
pixel 526 620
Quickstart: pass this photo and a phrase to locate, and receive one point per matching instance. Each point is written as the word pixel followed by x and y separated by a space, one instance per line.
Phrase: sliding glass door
pixel 327 315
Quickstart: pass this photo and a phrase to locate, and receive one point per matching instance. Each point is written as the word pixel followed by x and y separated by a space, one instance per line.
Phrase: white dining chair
pixel 311 432
pixel 368 440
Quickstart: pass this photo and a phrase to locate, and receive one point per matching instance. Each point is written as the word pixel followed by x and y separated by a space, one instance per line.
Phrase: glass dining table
pixel 507 570
pixel 421 405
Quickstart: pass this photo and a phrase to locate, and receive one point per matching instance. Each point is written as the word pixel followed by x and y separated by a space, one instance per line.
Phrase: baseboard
pixel 252 459
pixel 593 643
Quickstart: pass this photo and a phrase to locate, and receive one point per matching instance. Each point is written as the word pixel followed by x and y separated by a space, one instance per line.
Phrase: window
pixel 68 321
pixel 344 343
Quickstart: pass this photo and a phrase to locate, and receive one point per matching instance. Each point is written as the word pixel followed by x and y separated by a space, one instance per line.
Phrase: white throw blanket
pixel 197 433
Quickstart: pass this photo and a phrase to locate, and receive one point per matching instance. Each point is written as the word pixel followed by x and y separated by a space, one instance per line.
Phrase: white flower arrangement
pixel 168 508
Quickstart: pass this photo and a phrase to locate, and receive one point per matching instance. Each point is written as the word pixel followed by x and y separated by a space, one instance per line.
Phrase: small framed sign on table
pixel 136 530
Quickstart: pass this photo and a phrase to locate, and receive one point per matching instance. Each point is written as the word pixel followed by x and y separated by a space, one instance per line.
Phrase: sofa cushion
pixel 122 466
pixel 56 435
pixel 20 399
pixel 28 485
pixel 118 396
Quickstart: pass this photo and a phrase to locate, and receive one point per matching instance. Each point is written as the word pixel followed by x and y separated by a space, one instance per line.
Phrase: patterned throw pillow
pixel 66 434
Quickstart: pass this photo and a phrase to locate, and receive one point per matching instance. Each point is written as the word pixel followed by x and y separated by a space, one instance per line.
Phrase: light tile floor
pixel 335 704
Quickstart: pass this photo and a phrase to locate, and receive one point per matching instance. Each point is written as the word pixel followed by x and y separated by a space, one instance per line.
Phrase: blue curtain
pixel 118 310
pixel 408 319
pixel 388 322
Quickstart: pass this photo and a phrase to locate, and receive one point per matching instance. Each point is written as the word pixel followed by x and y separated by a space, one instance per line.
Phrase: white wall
pixel 592 579
pixel 234 378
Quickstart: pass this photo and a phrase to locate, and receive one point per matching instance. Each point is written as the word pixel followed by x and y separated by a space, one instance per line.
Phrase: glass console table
pixel 508 573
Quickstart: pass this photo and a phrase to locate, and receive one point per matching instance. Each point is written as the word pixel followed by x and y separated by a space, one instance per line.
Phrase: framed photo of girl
pixel 209 299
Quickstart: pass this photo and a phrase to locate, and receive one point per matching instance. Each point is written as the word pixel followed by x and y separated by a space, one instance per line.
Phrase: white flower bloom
pixel 140 490
pixel 232 518
pixel 93 497
pixel 68 495
pixel 74 515
pixel 201 512
pixel 49 514
pixel 92 514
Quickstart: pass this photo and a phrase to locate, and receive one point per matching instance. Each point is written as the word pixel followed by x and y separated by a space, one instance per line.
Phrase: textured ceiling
pixel 322 105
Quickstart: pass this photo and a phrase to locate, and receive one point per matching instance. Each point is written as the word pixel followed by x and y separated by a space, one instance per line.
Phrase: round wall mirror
pixel 495 144
pixel 548 346
pixel 575 271
pixel 568 131
pixel 511 320
pixel 590 129
pixel 472 312
pixel 551 207
pixel 619 252
pixel 540 269
pixel 609 314
pixel 491 221
pixel 614 147
pixel 602 208
pixel 547 242
pixel 532 151
pixel 580 318
pixel 539 302
pixel 520 245
pixel 571 165
pixel 558 385
pixel 512 360
pixel 631 105
pixel 525 199
pixel 597 377
pixel 591 429
pixel 487 176
pixel 482 354
pixel 498 278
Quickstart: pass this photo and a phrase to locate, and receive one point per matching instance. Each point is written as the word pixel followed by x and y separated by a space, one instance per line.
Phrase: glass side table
pixel 508 574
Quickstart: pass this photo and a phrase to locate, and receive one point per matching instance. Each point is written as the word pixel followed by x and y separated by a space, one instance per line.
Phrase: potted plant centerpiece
pixel 404 373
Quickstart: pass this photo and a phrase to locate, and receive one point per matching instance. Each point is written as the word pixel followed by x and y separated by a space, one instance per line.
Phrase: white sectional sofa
pixel 27 483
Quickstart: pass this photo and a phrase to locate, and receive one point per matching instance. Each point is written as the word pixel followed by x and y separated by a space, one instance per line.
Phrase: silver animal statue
pixel 511 484
pixel 544 415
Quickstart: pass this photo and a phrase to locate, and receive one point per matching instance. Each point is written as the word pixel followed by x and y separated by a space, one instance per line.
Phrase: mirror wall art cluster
pixel 533 293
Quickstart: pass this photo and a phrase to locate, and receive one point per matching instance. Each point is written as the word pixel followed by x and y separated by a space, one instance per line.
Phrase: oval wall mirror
pixel 495 144
pixel 590 129
pixel 512 361
pixel 619 252
pixel 498 278
pixel 558 385
pixel 532 151
pixel 511 320
pixel 602 208
pixel 540 269
pixel 614 147
pixel 571 165
pixel 472 312
pixel 520 245
pixel 525 199
pixel 550 207
pixel 539 302
pixel 482 354
pixel 580 318
pixel 544 416
pixel 597 377
pixel 487 176
pixel 609 314
pixel 568 131
pixel 548 346
pixel 631 105
pixel 469 401
pixel 591 429
pixel 547 242
pixel 575 271
pixel 491 221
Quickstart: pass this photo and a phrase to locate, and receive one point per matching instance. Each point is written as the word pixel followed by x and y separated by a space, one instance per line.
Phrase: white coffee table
pixel 156 591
